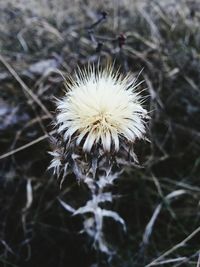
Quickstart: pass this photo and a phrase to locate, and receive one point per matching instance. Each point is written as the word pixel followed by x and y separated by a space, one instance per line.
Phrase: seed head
pixel 101 109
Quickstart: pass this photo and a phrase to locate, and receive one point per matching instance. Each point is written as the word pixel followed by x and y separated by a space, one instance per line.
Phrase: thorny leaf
pixel 114 215
pixel 107 180
pixel 89 228
pixel 83 210
pixel 92 205
pixel 66 206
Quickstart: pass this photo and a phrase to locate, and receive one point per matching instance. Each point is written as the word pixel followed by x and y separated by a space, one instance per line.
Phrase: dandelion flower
pixel 101 109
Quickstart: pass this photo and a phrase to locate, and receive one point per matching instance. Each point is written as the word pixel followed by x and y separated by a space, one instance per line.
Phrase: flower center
pixel 102 121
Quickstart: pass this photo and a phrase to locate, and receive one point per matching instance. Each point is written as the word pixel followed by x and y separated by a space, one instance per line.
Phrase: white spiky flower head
pixel 101 109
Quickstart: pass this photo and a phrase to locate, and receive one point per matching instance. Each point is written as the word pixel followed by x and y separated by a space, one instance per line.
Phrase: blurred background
pixel 40 42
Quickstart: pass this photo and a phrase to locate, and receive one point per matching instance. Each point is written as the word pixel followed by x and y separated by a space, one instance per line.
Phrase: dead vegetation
pixel 160 202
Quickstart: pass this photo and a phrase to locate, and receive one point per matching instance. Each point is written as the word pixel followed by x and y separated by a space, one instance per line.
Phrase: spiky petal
pixel 100 109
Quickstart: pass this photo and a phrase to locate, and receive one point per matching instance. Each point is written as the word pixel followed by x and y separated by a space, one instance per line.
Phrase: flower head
pixel 100 109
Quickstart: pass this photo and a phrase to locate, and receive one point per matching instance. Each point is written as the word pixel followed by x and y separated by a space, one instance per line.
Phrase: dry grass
pixel 159 202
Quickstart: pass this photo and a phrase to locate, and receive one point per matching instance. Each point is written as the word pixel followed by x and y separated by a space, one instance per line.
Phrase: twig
pixel 169 261
pixel 14 151
pixel 24 86
pixel 182 243
pixel 90 29
pixel 151 223
pixel 198 263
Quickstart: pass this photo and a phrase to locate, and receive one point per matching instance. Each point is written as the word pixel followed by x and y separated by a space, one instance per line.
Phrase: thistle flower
pixel 101 109
pixel 101 112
